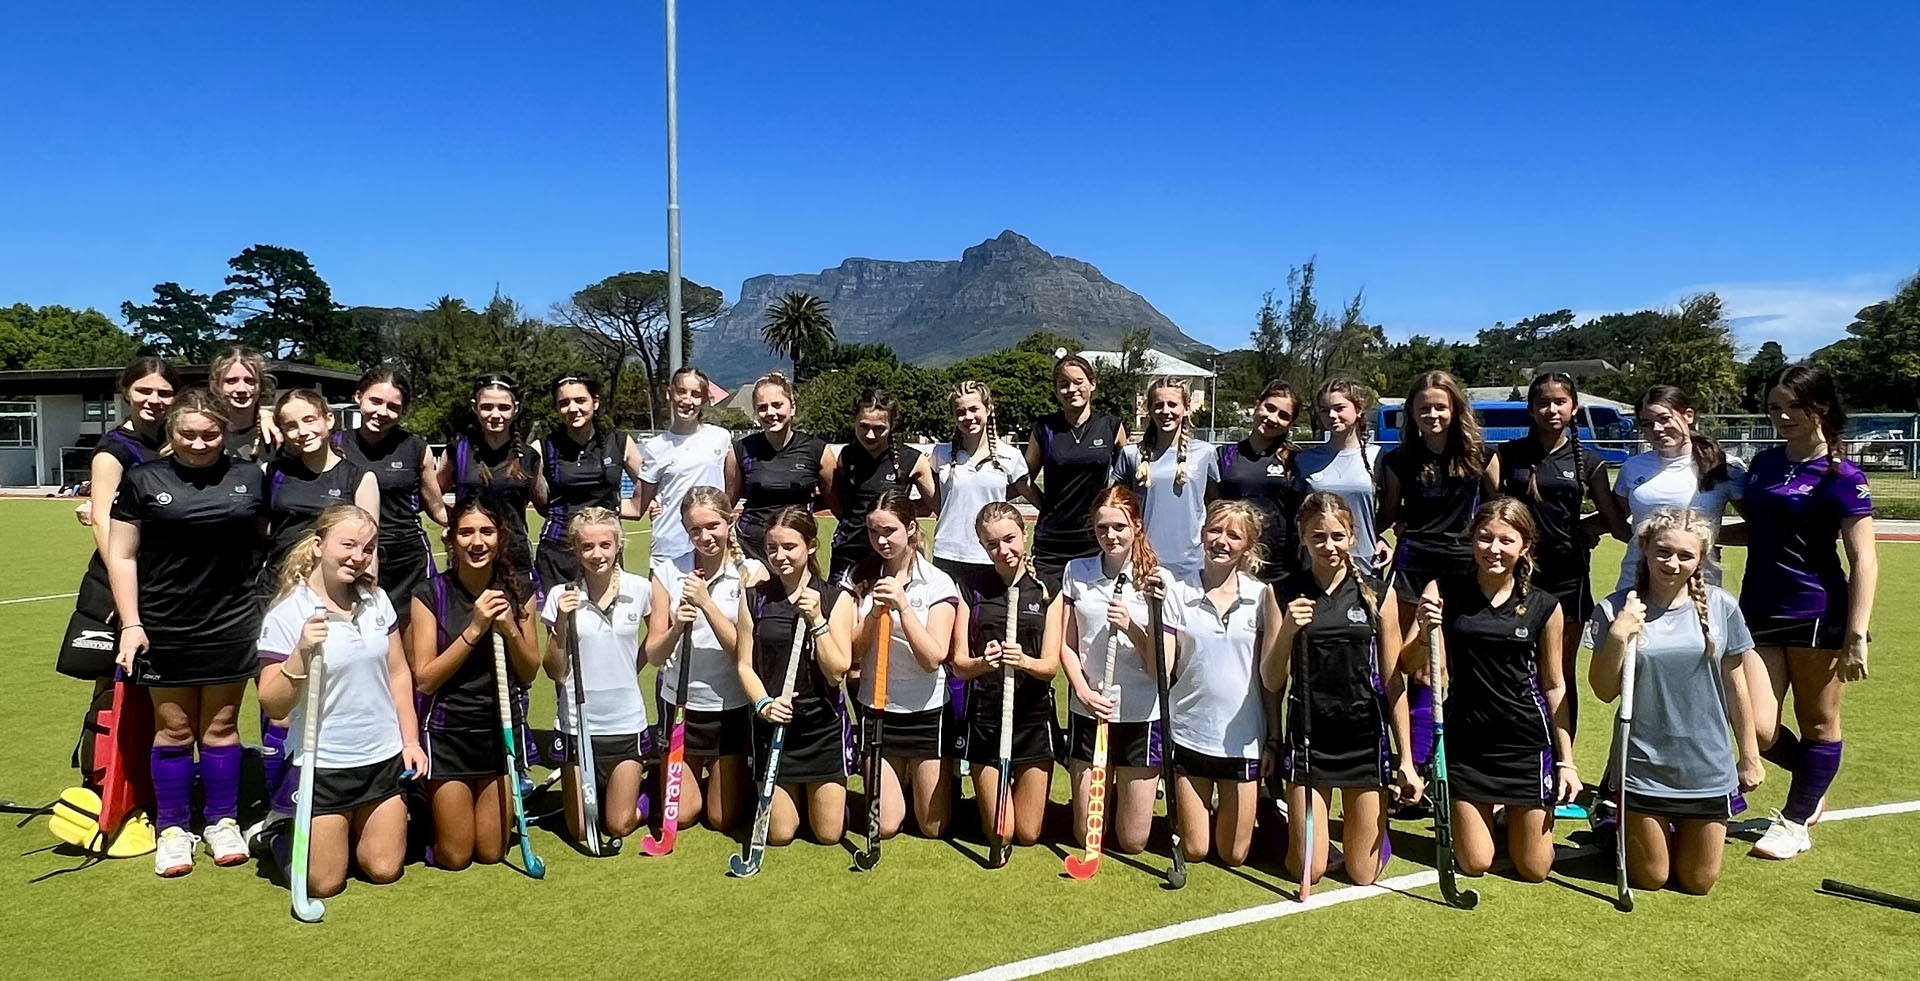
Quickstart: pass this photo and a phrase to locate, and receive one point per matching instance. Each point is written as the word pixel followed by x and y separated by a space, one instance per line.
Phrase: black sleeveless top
pixel 296 496
pixel 774 621
pixel 1435 509
pixel 1343 664
pixel 986 595
pixel 482 471
pixel 860 478
pixel 470 698
pixel 581 475
pixel 1266 481
pixel 1076 464
pixel 395 465
pixel 773 479
pixel 1554 487
pixel 1493 654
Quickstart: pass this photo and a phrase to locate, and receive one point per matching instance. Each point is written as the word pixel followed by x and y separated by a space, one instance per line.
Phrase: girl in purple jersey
pixel 1809 620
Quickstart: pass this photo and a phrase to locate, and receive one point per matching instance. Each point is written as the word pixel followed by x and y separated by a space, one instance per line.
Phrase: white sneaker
pixel 1784 839
pixel 272 822
pixel 173 853
pixel 225 842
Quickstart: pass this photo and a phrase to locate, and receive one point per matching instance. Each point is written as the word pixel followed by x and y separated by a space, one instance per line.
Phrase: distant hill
pixel 936 312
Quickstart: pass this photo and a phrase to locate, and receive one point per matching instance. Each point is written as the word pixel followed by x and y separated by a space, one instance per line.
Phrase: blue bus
pixel 1606 427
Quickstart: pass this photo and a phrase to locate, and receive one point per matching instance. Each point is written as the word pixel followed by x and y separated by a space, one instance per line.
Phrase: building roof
pixel 104 380
pixel 1158 363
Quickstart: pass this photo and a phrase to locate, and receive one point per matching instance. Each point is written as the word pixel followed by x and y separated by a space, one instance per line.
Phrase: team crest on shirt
pixel 333 492
pixel 606 461
pixel 1862 488
pixel 163 498
pixel 1276 470
pixel 1356 615
pixel 1520 633
pixel 1100 442
pixel 395 465
pixel 239 488
pixel 917 602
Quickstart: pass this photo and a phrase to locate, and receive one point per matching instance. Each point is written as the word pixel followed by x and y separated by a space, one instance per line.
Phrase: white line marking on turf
pixel 36 599
pixel 1114 946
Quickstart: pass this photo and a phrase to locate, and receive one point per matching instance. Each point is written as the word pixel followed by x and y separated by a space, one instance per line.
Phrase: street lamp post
pixel 674 354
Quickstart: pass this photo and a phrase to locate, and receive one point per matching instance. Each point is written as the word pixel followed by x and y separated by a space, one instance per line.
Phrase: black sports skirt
pixel 1343 756
pixel 727 732
pixel 1128 743
pixel 923 735
pixel 1810 633
pixel 403 567
pixel 1204 766
pixel 174 662
pixel 818 745
pixel 465 754
pixel 1035 733
pixel 1489 775
pixel 1717 808
pixel 1566 580
pixel 348 789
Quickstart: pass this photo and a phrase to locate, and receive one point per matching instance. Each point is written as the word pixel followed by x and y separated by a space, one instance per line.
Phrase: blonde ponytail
pixel 304 557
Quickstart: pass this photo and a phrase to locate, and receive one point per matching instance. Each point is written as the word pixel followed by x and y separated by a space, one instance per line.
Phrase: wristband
pixel 131 626
pixel 760 707
pixel 1566 766
pixel 290 676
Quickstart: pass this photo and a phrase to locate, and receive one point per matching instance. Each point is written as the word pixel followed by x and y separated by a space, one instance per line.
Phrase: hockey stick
pixel 1850 891
pixel 1303 683
pixel 1003 805
pixel 1622 731
pixel 1084 868
pixel 583 737
pixel 502 686
pixel 1177 873
pixel 676 755
pixel 864 860
pixel 1442 798
pixel 748 862
pixel 306 909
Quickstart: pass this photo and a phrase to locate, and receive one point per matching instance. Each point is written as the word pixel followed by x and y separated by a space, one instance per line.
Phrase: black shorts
pixel 960 572
pixel 923 735
pixel 727 732
pixel 465 754
pixel 169 664
pixel 349 789
pixel 608 753
pixel 1716 808
pixel 1413 570
pixel 555 564
pixel 845 557
pixel 1809 633
pixel 1128 743
pixel 1568 586
pixel 1053 550
pixel 91 641
pixel 818 745
pixel 1204 766
pixel 1034 735
pixel 1516 778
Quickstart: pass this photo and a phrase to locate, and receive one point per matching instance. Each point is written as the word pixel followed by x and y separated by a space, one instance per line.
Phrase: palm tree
pixel 796 322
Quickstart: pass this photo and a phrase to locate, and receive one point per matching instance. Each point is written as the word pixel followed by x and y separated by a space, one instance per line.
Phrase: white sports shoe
pixel 1784 839
pixel 173 853
pixel 225 842
pixel 273 822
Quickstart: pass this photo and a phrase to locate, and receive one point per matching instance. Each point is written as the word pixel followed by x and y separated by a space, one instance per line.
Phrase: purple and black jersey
pixel 1436 506
pixel 480 470
pixel 1795 512
pixel 470 698
pixel 1499 730
pixel 199 550
pixel 128 447
pixel 295 497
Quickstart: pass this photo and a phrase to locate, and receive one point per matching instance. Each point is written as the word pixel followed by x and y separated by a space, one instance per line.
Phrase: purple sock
pixel 273 758
pixel 173 772
pixel 1420 715
pixel 1821 763
pixel 220 781
pixel 1787 752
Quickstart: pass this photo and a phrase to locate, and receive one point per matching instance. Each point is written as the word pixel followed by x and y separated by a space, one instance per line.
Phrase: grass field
pixel 930 910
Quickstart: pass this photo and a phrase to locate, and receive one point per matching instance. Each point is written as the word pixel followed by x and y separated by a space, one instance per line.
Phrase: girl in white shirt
pixel 1174 475
pixel 1683 470
pixel 922 603
pixel 974 470
pixel 607 605
pixel 689 454
pixel 699 592
pixel 328 616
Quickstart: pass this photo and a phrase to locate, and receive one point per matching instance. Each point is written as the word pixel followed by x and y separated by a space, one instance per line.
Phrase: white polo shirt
pixel 609 658
pixel 713 677
pixel 968 484
pixel 358 722
pixel 1216 695
pixel 910 687
pixel 677 464
pixel 1087 591
pixel 1173 514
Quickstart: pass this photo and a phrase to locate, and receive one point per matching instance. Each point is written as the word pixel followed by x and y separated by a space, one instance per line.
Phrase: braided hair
pixel 991 440
pixel 1361 400
pixel 1693 523
pixel 1709 460
pixel 515 468
pixel 1253 524
pixel 1514 513
pixel 715 500
pixel 877 400
pixel 1326 504
pixel 1143 474
pixel 505 575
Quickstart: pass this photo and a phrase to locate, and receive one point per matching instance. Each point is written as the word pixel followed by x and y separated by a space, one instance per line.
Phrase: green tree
pixel 1021 379
pixel 795 322
pixel 180 324
pixel 450 344
pixel 1754 374
pixel 61 337
pixel 1048 343
pixel 1882 365
pixel 1269 338
pixel 835 356
pixel 1122 383
pixel 287 311
pixel 622 320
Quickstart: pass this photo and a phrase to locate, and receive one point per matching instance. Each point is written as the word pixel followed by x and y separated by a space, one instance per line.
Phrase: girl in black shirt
pixel 238 379
pixel 183 555
pixel 403 468
pixel 454 612
pixel 1071 455
pixel 1260 471
pixel 492 459
pixel 873 463
pixel 584 464
pixel 777 467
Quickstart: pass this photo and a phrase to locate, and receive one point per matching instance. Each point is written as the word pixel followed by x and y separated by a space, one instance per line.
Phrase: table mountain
pixel 936 312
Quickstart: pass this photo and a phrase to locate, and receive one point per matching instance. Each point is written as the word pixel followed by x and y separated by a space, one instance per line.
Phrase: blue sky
pixel 1461 167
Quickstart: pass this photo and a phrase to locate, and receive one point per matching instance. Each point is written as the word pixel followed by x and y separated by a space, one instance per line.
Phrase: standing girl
pixel 977 468
pixel 327 613
pixel 1091 606
pixel 1346 465
pixel 1260 470
pixel 1682 780
pixel 585 462
pixel 183 557
pixel 455 614
pixel 241 387
pixel 1351 696
pixel 1810 619
pixel 898 583
pixel 1035 658
pixel 492 459
pixel 1174 476
pixel 793 598
pixel 689 454
pixel 1506 703
pixel 871 465
pixel 1216 618
pixel 699 591
pixel 1073 452
pixel 1549 471
pixel 403 469
pixel 775 468
pixel 607 605
pixel 1683 470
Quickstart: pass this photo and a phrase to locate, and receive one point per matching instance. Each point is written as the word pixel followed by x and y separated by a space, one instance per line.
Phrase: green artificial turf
pixel 930 910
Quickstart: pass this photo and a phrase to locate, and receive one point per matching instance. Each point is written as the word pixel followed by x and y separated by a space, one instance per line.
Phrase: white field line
pixel 36 599
pixel 1114 946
